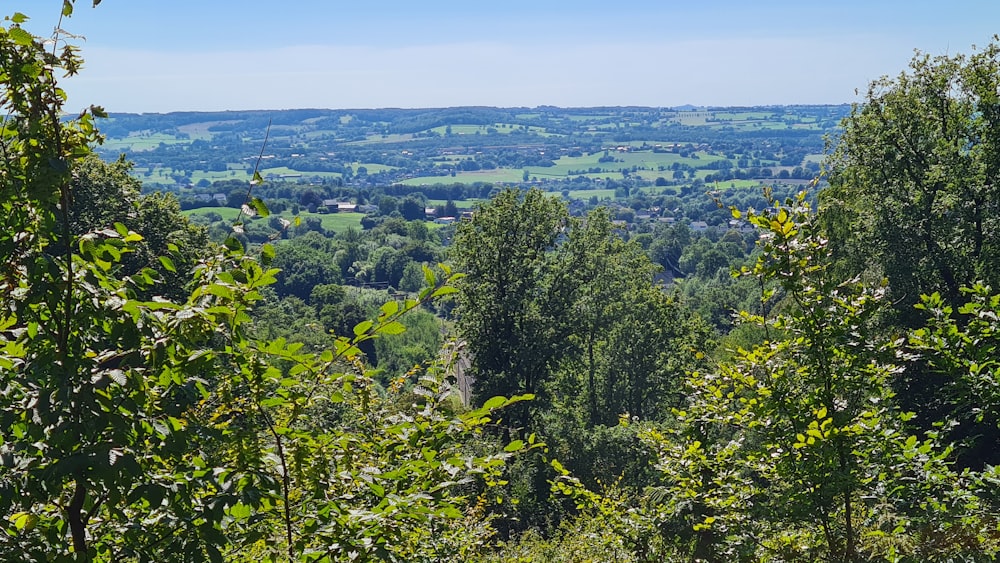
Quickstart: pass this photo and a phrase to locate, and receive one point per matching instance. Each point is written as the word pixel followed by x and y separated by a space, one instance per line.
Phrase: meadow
pixel 336 222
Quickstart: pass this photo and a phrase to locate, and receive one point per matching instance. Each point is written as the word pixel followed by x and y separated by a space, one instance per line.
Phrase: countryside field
pixel 336 222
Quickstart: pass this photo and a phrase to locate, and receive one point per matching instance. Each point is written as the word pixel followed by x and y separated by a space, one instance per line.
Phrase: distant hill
pixel 420 147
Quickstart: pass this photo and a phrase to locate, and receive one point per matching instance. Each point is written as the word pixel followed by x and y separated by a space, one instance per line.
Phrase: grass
pixel 370 166
pixel 143 142
pixel 648 164
pixel 500 175
pixel 336 222
pixel 646 161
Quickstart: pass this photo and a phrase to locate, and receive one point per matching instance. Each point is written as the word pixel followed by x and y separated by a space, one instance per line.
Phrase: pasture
pixel 336 222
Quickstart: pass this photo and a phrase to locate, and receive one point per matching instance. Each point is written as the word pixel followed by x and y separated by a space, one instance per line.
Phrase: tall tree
pixel 915 180
pixel 625 349
pixel 798 449
pixel 915 198
pixel 513 312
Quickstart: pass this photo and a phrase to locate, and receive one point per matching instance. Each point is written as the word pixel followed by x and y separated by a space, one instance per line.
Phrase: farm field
pixel 499 175
pixel 336 222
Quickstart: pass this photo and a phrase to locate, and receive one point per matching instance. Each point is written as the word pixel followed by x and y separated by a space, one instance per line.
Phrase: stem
pixel 256 166
pixel 849 542
pixel 74 513
pixel 286 481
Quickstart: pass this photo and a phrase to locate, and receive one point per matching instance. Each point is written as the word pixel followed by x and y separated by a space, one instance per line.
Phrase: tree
pixel 91 387
pixel 512 311
pixel 305 262
pixel 915 180
pixel 626 343
pixel 105 193
pixel 412 208
pixel 157 430
pixel 798 448
pixel 915 186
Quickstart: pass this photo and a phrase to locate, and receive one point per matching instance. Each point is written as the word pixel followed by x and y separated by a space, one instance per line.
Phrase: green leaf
pixel 18 17
pixel 260 207
pixel 240 511
pixel 24 520
pixel 516 445
pixel 390 308
pixel 267 252
pixel 446 290
pixel 20 36
pixel 362 328
pixel 167 263
pixel 495 403
pixel 232 243
pixel 429 276
pixel 395 327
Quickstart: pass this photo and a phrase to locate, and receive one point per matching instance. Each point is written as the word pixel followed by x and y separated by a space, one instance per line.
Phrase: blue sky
pixel 182 55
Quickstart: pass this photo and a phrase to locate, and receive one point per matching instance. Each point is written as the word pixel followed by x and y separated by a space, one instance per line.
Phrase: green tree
pixel 105 193
pixel 157 430
pixel 798 448
pixel 512 311
pixel 627 334
pixel 305 262
pixel 914 179
pixel 913 199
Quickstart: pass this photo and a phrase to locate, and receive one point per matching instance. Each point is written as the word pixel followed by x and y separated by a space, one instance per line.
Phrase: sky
pixel 210 55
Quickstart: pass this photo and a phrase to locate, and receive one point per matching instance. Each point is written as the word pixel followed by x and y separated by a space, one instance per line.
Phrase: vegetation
pixel 649 374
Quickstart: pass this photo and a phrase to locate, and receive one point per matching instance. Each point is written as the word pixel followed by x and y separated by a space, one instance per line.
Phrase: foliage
pixel 359 476
pixel 913 198
pixel 149 428
pixel 797 450
pixel 914 179
pixel 512 304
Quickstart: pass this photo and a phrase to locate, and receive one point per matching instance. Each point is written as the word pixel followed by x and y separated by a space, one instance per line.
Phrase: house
pixel 699 226
pixel 444 220
pixel 741 226
pixel 338 206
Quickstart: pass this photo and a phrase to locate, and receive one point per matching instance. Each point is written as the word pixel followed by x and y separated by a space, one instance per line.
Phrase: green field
pixel 500 175
pixel 500 128
pixel 371 167
pixel 645 161
pixel 649 165
pixel 336 222
pixel 143 142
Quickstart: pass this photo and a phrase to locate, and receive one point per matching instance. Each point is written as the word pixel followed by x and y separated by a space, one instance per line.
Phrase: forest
pixel 675 371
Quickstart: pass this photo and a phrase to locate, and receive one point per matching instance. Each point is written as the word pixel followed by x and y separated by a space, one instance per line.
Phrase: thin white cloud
pixel 732 71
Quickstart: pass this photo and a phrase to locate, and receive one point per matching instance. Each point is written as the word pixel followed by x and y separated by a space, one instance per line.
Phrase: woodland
pixel 805 373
